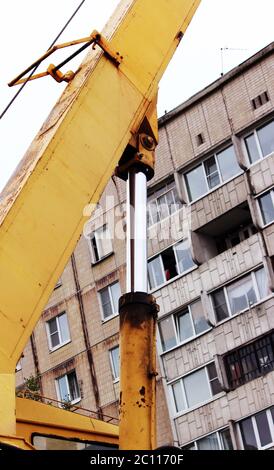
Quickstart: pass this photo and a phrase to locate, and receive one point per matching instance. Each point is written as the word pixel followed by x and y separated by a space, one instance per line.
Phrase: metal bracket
pixel 95 38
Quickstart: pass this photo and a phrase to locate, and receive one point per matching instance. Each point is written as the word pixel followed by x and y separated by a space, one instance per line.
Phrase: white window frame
pixel 95 234
pixel 271 191
pixel 256 290
pixel 174 317
pixel 219 439
pixel 114 314
pixel 76 400
pixel 183 273
pixel 115 378
pixel 256 432
pixel 53 348
pixel 258 145
pixel 222 182
pixel 181 381
pixel 155 199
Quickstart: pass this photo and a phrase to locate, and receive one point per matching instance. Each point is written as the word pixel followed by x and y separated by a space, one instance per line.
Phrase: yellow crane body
pixel 69 164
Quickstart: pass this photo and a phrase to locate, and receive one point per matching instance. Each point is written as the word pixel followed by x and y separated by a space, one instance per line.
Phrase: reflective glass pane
pixel 220 306
pixel 184 257
pixel 155 272
pixel 116 294
pixel 196 183
pixel 178 396
pixel 267 208
pixel 252 149
pixel 163 207
pixel 263 428
pixel 185 328
pixel 104 243
pixel 63 388
pixel 115 357
pixel 197 388
pixel 266 138
pixel 209 442
pixel 153 209
pixel 241 294
pixel 228 163
pixel 52 326
pixel 106 303
pixel 248 436
pixel 212 173
pixel 64 329
pixel 226 440
pixel 73 386
pixel 200 323
pixel 54 339
pixel 262 283
pixel 167 333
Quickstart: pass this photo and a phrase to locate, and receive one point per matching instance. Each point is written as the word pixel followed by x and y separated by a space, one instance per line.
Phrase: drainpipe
pixel 86 338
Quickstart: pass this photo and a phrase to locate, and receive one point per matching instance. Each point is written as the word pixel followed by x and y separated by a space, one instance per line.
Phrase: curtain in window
pixel 241 294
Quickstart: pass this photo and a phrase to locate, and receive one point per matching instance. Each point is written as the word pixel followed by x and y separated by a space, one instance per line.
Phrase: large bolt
pixel 147 142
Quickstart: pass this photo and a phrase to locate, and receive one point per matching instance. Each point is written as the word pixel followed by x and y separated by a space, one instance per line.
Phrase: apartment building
pixel 210 267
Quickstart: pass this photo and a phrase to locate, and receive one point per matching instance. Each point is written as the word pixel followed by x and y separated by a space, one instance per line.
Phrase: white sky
pixel 28 27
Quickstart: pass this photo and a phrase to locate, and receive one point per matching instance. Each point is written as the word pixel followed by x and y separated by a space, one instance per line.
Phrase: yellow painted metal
pixel 137 429
pixel 34 417
pixel 69 163
pixel 94 38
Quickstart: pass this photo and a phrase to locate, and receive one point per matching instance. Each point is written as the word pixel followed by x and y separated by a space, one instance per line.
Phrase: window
pixel 183 325
pixel 233 238
pixel 210 173
pixel 110 299
pixel 200 139
pixel 195 388
pixel 220 440
pixel 240 294
pixel 260 100
pixel 257 432
pixel 115 362
pixel 250 361
pixel 260 143
pixel 100 242
pixel 266 202
pixel 58 331
pixel 173 261
pixel 48 442
pixel 162 204
pixel 67 388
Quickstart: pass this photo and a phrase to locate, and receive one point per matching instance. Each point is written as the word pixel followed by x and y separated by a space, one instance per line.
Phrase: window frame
pixel 114 314
pixel 94 234
pixel 155 200
pixel 255 430
pixel 115 378
pixel 159 255
pixel 224 288
pixel 174 316
pixel 180 380
pixel 72 402
pixel 61 344
pixel 202 163
pixel 258 145
pixel 239 359
pixel 219 439
pixel 271 191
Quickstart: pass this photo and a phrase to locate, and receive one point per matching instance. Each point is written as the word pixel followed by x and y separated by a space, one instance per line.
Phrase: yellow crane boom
pixel 69 164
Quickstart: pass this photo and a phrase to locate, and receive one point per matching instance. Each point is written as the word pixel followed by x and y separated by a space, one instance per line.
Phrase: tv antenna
pixel 222 49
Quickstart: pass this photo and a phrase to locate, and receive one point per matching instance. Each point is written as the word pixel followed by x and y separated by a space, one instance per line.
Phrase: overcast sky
pixel 28 27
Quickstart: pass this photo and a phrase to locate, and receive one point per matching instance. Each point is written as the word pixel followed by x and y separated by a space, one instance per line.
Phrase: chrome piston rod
pixel 136 232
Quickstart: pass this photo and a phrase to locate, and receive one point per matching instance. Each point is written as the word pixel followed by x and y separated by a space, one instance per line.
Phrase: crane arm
pixel 71 160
